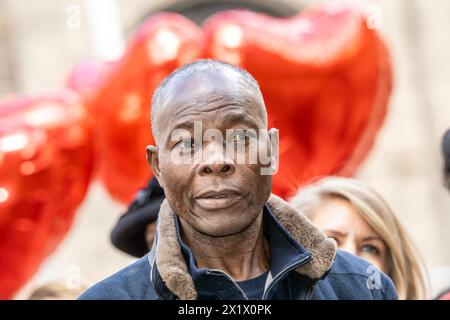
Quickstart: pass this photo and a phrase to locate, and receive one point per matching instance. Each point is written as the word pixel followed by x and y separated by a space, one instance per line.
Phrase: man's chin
pixel 217 227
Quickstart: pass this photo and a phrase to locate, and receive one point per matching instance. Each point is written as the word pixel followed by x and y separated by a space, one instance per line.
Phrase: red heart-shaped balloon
pixel 325 77
pixel 326 80
pixel 121 107
pixel 45 168
pixel 88 76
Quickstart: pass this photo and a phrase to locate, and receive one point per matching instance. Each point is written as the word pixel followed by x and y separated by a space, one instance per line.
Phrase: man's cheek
pixel 167 176
pixel 174 186
pixel 176 177
pixel 170 177
pixel 254 175
pixel 255 169
pixel 265 181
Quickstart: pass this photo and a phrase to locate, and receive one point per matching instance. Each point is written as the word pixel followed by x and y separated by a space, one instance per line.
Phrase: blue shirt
pixel 254 288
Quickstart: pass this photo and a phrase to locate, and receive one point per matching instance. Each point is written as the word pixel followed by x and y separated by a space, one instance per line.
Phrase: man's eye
pixel 242 137
pixel 186 144
pixel 370 249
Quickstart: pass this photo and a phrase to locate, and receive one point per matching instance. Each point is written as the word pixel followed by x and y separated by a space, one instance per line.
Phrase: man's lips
pixel 218 199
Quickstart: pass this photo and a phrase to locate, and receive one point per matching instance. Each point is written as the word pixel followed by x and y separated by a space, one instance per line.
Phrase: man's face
pixel 214 194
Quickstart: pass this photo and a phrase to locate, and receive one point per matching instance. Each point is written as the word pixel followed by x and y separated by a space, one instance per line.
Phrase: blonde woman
pixel 362 223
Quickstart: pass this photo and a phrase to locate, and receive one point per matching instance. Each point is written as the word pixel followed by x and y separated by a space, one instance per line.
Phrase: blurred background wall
pixel 41 41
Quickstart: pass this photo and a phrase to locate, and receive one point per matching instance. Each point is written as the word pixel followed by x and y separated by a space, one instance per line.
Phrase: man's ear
pixel 274 143
pixel 153 160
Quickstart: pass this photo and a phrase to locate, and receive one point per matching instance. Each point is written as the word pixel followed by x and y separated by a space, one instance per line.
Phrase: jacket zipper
pixel 283 272
pixel 154 286
pixel 311 290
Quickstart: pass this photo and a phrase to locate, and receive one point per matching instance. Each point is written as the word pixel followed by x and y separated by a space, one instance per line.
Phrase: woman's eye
pixel 335 239
pixel 370 249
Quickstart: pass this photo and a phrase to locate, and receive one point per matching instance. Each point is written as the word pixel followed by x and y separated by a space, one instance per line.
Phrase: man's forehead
pixel 191 86
pixel 207 91
pixel 207 95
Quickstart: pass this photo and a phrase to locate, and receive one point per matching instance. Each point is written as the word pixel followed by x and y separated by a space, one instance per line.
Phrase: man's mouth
pixel 218 199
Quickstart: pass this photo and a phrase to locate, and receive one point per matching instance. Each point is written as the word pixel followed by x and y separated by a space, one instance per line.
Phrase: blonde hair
pixel 405 266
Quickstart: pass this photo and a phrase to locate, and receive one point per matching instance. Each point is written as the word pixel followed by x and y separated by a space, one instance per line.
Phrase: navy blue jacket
pixel 304 264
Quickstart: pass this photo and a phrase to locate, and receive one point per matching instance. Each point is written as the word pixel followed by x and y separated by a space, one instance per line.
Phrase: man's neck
pixel 243 255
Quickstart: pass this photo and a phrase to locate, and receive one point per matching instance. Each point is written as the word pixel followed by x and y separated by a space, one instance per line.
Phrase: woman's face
pixel 339 220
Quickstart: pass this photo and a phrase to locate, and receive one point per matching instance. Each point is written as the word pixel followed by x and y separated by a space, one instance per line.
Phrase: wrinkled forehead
pixel 209 93
pixel 189 87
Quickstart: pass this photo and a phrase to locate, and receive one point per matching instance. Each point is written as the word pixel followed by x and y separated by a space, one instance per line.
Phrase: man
pixel 220 233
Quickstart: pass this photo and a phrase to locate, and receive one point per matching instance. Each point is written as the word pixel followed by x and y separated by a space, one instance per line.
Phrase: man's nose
pixel 216 163
pixel 217 169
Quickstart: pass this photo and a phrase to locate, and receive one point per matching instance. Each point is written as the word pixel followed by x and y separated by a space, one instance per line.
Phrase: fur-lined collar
pixel 174 271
